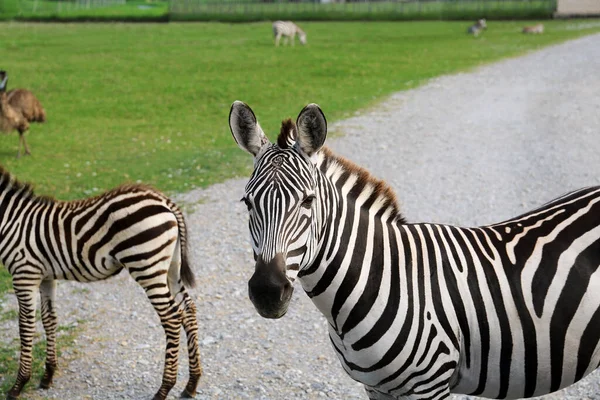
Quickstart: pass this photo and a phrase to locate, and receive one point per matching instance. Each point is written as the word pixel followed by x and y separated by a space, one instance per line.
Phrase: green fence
pixel 85 10
pixel 43 7
pixel 359 10
pixel 257 10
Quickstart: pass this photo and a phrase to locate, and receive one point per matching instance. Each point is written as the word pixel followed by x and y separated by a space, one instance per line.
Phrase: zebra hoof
pixel 159 396
pixel 45 384
pixel 11 397
pixel 187 395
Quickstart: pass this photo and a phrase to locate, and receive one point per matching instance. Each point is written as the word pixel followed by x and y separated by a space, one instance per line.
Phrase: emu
pixel 18 107
pixel 132 227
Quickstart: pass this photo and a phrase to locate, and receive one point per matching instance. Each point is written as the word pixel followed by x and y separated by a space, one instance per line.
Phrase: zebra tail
pixel 187 275
pixel 185 271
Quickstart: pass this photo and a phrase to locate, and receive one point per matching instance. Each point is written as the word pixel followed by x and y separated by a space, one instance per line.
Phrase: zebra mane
pixel 364 179
pixel 287 134
pixel 9 182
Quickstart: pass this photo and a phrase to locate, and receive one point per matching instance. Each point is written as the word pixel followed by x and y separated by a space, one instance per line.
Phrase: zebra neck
pixel 358 223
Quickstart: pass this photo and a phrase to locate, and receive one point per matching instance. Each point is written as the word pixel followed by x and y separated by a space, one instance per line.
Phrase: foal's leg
pixel 47 294
pixel 154 281
pixel 190 325
pixel 25 293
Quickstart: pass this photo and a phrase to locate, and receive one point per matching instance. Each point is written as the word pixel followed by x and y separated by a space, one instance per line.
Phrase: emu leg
pixel 47 294
pixel 25 297
pixel 22 140
pixel 190 325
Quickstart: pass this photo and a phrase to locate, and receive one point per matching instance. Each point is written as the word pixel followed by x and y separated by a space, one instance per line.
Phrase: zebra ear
pixel 245 129
pixel 312 129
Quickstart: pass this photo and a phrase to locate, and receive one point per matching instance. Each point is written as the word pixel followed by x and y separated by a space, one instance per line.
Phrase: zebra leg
pixel 277 39
pixel 47 294
pixel 154 282
pixel 26 298
pixel 190 325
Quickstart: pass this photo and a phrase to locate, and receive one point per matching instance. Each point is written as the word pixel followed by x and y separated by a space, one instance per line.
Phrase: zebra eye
pixel 307 202
pixel 247 202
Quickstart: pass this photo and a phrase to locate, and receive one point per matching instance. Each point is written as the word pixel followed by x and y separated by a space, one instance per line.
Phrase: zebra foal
pixel 418 310
pixel 132 227
pixel 288 30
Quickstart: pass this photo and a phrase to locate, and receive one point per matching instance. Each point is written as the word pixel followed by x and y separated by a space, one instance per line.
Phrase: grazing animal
pixel 535 29
pixel 18 108
pixel 420 310
pixel 288 30
pixel 133 228
pixel 477 28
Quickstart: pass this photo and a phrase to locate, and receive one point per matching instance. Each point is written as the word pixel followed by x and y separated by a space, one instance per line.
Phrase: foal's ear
pixel 312 129
pixel 245 129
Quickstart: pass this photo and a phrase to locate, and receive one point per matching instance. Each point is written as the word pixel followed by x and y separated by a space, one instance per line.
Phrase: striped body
pixel 419 311
pixel 288 30
pixel 132 227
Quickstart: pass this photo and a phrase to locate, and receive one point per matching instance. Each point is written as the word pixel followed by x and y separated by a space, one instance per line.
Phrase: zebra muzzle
pixel 269 288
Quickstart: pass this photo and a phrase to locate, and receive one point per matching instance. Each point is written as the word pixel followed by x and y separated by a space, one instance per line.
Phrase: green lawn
pixel 128 102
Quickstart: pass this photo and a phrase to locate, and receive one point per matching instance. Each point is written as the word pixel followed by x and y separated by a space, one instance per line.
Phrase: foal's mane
pixel 10 183
pixel 7 181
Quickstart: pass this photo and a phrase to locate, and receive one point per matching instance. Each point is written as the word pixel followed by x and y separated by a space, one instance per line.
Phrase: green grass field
pixel 129 102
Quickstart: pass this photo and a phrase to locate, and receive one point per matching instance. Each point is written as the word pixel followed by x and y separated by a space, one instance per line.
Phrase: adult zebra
pixel 419 311
pixel 288 30
pixel 132 227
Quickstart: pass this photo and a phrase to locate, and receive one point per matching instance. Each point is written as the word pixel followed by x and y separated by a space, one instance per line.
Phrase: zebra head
pixel 302 37
pixel 280 199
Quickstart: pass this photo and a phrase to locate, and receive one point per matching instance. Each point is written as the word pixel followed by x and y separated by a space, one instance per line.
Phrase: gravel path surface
pixel 472 148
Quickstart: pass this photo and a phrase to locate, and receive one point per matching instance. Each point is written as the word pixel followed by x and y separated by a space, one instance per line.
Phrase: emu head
pixel 280 199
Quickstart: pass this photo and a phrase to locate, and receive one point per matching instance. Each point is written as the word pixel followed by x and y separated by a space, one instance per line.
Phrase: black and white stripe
pixel 132 227
pixel 288 30
pixel 419 311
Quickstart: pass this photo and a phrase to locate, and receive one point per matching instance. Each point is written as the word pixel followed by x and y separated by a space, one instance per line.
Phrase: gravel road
pixel 469 149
